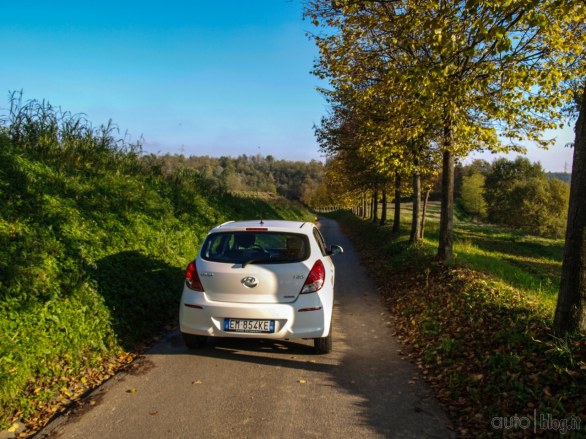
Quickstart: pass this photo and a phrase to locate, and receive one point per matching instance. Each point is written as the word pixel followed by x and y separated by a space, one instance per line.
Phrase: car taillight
pixel 316 278
pixel 192 278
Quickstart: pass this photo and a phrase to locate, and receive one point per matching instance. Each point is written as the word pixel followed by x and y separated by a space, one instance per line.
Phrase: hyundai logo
pixel 249 281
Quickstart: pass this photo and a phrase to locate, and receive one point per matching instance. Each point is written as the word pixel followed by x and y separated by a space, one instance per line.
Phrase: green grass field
pixel 529 263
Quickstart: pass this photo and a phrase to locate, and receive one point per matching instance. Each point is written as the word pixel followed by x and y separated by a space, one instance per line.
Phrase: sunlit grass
pixel 529 263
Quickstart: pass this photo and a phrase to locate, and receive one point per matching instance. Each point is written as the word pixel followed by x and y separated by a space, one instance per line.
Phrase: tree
pixel 465 69
pixel 346 135
pixel 557 204
pixel 383 216
pixel 397 201
pixel 478 166
pixel 473 195
pixel 519 195
pixel 570 314
pixel 538 206
pixel 416 217
pixel 499 184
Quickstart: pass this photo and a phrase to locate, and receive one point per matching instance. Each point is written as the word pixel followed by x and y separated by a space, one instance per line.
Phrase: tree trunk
pixel 446 233
pixel 375 206
pixel 397 218
pixel 423 213
pixel 570 313
pixel 383 215
pixel 415 231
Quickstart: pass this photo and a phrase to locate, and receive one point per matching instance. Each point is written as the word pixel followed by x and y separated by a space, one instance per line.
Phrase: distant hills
pixel 563 176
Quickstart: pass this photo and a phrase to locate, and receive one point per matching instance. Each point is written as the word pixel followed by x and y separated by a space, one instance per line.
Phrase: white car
pixel 260 279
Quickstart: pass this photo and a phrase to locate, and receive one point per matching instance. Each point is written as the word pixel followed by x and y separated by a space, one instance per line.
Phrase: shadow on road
pixel 277 353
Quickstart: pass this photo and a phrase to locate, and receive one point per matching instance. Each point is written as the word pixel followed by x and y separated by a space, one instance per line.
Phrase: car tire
pixel 323 345
pixel 194 341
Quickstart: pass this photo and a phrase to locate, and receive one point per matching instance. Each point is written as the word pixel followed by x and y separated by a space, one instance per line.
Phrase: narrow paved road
pixel 261 389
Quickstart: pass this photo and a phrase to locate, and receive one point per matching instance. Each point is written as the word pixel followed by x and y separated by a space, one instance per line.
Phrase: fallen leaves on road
pixel 486 351
pixel 63 392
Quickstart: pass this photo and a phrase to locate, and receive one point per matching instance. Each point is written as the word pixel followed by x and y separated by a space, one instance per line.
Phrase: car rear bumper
pixel 308 317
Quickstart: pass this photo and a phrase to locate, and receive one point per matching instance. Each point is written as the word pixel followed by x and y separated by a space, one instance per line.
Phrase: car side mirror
pixel 336 250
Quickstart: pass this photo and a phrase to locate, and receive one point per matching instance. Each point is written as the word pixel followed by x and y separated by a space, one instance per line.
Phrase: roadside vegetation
pixel 494 315
pixel 514 193
pixel 528 262
pixel 413 87
pixel 94 240
pixel 479 328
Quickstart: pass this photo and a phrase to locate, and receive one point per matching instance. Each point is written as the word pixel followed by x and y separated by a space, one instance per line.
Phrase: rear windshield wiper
pixel 266 260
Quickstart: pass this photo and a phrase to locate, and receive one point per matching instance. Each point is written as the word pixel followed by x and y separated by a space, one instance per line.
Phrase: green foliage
pixel 499 182
pixel 293 180
pixel 557 203
pixel 408 78
pixel 53 133
pixel 93 245
pixel 478 166
pixel 472 195
pixel 519 195
pixel 539 206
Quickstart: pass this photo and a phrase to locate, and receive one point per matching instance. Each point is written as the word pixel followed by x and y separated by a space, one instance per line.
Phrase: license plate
pixel 246 325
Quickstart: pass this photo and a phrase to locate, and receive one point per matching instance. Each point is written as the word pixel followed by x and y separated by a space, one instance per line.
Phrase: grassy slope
pixel 480 328
pixel 530 263
pixel 91 263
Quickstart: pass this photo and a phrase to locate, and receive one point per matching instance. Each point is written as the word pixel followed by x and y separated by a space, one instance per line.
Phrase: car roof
pixel 261 225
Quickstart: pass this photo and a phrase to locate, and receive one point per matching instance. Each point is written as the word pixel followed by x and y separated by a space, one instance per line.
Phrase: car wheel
pixel 194 341
pixel 323 345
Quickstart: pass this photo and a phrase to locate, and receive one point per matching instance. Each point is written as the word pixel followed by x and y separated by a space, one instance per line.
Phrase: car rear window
pixel 256 247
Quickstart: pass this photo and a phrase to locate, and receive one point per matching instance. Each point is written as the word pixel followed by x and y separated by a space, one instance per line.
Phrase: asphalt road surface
pixel 238 388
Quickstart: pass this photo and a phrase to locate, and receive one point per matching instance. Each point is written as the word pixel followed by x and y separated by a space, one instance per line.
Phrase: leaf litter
pixel 486 348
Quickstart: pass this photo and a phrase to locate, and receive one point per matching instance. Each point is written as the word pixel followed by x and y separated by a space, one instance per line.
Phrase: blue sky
pixel 193 77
